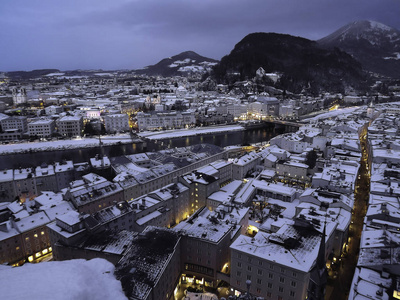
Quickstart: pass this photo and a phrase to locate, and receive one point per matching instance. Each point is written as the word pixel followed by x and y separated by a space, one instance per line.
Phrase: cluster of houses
pixel 279 217
pixel 377 273
pixel 56 105
pixel 275 222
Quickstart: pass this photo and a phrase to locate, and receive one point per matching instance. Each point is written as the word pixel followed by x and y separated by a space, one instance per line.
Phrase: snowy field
pixel 187 132
pixel 64 144
pixel 70 279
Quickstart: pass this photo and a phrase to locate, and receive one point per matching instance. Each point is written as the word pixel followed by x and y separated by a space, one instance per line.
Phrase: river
pixel 221 139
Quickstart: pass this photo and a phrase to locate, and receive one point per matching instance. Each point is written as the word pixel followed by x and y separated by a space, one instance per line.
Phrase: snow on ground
pixel 71 279
pixel 54 74
pixel 103 74
pixel 334 113
pixel 64 144
pixel 187 132
pixel 396 56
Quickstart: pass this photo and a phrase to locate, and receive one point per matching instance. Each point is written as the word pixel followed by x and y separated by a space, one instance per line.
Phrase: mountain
pixel 376 46
pixel 302 63
pixel 185 63
pixel 30 74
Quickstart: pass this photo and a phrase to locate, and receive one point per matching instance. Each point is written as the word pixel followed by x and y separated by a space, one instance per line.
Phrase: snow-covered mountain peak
pixel 377 25
pixel 374 32
pixel 374 44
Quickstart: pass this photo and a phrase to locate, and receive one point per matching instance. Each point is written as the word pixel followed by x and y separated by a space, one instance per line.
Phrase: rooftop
pixel 291 246
pixel 141 267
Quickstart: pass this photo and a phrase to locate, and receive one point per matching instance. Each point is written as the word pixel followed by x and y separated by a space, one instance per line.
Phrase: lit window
pixel 35 235
pixel 42 233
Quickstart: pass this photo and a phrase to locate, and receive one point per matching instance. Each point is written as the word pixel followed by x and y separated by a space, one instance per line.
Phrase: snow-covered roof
pixel 62 278
pixel 7 231
pixel 232 187
pixel 31 222
pixel 149 217
pixel 6 175
pixel 58 210
pixel 146 261
pixel 287 247
pixel 70 218
pixel 48 198
pixel 202 227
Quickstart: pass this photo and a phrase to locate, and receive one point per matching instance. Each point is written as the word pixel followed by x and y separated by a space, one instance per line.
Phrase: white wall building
pixel 116 123
pixel 53 110
pixel 42 128
pixel 165 120
pixel 19 123
pixel 70 125
pixel 276 269
pixel 292 169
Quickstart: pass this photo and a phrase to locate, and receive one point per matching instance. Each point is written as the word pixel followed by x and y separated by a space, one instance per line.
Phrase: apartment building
pixel 42 128
pixel 279 265
pixel 94 194
pixel 116 123
pixel 19 123
pixel 70 126
pixel 205 255
pixel 165 120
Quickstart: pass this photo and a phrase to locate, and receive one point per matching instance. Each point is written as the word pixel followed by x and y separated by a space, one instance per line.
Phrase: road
pixel 338 288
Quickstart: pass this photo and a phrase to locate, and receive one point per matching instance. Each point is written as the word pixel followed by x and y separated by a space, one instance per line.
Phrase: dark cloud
pixel 130 34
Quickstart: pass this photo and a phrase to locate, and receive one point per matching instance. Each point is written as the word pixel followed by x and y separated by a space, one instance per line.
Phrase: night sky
pixel 122 34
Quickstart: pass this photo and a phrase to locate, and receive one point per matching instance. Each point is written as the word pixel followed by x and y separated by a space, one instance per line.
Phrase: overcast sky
pixel 129 34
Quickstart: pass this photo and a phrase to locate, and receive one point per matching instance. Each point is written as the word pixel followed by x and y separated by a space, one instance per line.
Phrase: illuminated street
pixel 339 284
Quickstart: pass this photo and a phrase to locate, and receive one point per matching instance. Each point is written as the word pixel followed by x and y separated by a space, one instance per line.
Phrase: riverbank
pixel 81 150
pixel 54 145
pixel 168 134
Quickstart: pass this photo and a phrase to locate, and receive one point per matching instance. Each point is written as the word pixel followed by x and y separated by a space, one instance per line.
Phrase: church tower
pixel 370 109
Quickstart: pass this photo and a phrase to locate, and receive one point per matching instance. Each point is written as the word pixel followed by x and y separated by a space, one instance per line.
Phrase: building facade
pixel 116 123
pixel 42 128
pixel 70 126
